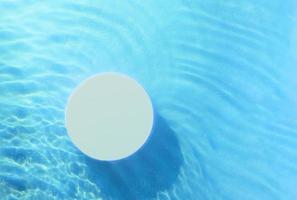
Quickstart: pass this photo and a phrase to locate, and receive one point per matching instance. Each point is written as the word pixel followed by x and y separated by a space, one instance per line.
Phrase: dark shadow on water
pixel 153 168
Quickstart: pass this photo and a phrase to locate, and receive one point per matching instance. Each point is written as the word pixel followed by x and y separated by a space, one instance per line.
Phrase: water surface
pixel 221 75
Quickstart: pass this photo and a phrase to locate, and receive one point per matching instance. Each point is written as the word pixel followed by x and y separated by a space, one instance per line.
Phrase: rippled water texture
pixel 222 76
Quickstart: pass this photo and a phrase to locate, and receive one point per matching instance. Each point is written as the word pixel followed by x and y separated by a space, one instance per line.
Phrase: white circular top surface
pixel 109 116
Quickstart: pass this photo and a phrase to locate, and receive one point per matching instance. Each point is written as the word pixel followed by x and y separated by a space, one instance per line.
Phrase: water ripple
pixel 220 73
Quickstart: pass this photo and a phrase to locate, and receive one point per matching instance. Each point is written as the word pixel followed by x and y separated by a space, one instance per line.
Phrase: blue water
pixel 222 76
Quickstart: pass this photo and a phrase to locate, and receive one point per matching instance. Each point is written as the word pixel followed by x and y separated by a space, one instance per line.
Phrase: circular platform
pixel 109 116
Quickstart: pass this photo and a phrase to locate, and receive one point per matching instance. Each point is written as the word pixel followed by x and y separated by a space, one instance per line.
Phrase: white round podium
pixel 109 116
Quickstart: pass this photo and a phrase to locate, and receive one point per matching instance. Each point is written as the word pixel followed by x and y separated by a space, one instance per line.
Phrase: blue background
pixel 222 76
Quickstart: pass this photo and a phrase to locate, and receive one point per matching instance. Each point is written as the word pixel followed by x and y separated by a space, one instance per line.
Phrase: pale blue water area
pixel 222 76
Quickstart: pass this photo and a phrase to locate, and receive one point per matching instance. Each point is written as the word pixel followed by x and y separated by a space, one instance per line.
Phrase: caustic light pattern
pixel 221 76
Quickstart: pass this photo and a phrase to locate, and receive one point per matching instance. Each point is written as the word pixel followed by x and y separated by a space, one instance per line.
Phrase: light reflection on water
pixel 222 76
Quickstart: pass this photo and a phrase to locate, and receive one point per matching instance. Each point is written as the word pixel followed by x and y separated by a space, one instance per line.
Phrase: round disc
pixel 109 116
